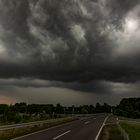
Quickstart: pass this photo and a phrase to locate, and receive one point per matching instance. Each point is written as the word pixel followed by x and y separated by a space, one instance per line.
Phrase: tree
pixel 3 108
pixel 128 107
pixel 59 109
pixel 21 107
pixel 98 108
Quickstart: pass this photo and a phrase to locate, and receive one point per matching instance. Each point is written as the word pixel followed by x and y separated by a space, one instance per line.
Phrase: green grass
pixel 111 132
pixel 127 119
pixel 133 130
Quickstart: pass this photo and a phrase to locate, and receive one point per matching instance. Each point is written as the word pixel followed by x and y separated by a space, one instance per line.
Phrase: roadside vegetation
pixel 128 107
pixel 111 132
pixel 133 130
pixel 22 112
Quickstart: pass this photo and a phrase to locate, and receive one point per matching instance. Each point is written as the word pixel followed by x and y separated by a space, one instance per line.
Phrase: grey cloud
pixel 96 87
pixel 42 91
pixel 65 40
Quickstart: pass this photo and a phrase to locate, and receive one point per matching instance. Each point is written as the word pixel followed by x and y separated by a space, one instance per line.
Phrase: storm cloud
pixel 83 45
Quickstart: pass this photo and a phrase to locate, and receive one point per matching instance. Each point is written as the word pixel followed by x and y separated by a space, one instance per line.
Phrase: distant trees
pixel 59 109
pixel 3 108
pixel 9 113
pixel 21 107
pixel 128 107
pixel 20 112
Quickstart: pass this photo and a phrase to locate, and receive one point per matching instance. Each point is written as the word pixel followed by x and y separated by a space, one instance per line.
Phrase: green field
pixel 112 132
pixel 133 130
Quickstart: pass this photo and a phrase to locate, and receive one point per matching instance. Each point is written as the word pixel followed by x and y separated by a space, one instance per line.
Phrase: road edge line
pixel 98 134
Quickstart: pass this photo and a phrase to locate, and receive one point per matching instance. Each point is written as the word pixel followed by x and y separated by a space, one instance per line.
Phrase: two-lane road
pixel 85 129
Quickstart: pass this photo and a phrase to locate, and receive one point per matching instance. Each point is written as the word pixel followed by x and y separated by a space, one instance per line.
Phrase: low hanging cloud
pixel 96 87
pixel 42 91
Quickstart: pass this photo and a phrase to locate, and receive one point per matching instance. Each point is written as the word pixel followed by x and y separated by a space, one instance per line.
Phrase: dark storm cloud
pixel 95 87
pixel 67 40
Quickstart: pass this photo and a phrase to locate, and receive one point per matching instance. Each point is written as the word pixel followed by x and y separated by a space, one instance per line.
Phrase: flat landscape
pixel 69 69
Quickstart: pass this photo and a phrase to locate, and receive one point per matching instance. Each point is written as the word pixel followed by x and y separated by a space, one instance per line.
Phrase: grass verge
pixel 133 130
pixel 111 132
pixel 13 133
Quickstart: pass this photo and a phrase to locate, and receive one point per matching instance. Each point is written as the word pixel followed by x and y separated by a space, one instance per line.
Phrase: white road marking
pixel 40 131
pixel 62 134
pixel 101 128
pixel 87 122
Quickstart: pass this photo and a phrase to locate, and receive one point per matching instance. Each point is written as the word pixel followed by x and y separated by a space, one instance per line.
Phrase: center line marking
pixel 87 122
pixel 62 135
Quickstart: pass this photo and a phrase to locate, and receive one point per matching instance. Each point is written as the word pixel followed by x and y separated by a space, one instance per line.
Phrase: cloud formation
pixel 69 40
pixel 91 44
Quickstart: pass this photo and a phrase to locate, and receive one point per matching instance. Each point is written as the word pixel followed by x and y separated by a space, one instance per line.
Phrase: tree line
pixel 128 107
pixel 21 112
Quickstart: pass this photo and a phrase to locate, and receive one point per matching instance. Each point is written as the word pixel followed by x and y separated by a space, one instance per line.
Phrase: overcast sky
pixel 69 51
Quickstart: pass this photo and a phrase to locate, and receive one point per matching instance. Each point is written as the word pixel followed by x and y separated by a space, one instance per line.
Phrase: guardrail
pixel 13 126
pixel 131 121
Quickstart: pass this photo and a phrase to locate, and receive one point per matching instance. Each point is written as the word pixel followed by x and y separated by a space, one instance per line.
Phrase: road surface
pixel 84 129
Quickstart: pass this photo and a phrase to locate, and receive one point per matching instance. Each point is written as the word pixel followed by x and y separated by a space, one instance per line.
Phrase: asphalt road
pixel 84 129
